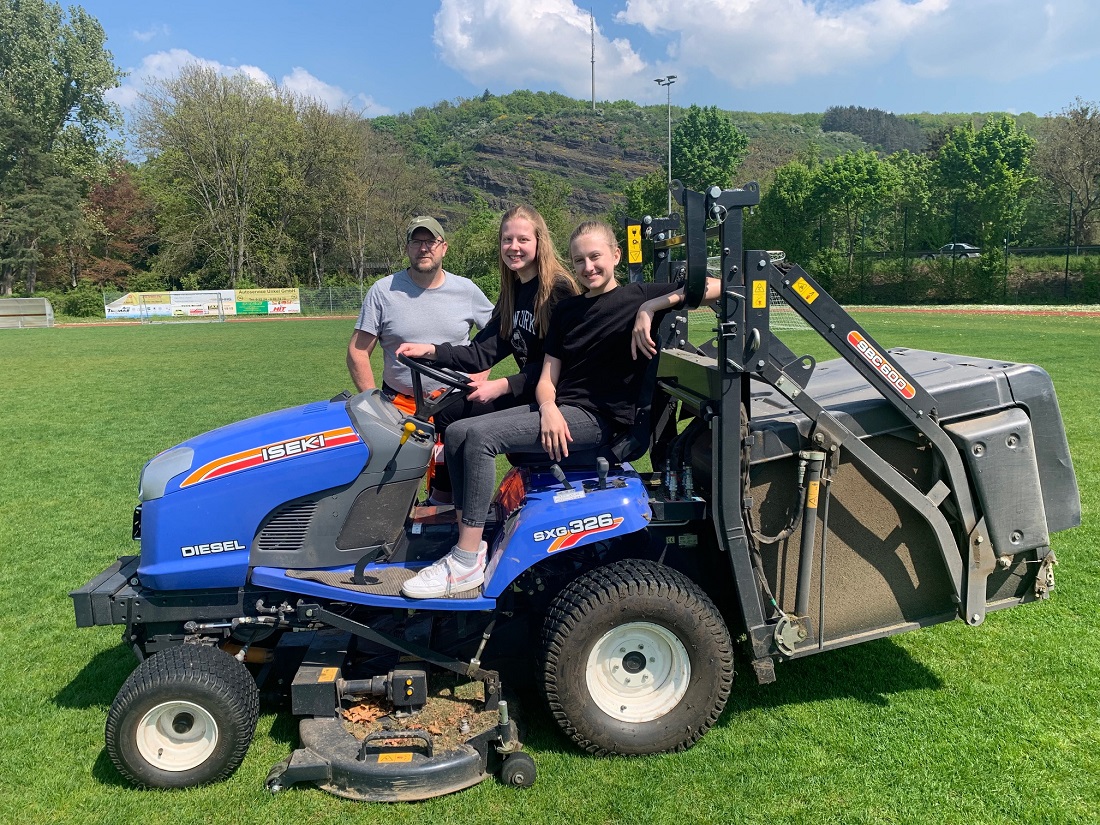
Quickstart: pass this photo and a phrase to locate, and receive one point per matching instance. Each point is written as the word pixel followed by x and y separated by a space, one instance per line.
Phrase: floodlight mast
pixel 667 82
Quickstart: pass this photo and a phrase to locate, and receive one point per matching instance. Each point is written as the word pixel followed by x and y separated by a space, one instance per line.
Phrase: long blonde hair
pixel 548 265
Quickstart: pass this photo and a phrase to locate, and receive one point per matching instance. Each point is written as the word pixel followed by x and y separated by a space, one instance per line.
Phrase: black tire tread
pixel 188 666
pixel 620 581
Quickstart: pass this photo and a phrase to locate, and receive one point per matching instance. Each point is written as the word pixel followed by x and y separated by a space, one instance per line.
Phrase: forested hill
pixel 501 147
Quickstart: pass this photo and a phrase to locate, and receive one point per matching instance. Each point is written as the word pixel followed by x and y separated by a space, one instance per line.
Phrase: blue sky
pixel 384 57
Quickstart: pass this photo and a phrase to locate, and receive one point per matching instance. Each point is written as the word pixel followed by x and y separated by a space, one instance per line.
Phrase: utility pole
pixel 592 32
pixel 667 83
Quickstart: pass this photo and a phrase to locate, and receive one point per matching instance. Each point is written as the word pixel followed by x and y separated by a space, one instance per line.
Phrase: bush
pixel 489 284
pixel 339 280
pixel 987 279
pixel 1089 292
pixel 85 301
pixel 830 268
pixel 56 298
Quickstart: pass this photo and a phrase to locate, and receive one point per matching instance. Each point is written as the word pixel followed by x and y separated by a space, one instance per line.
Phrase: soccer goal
pixel 782 317
pixel 182 307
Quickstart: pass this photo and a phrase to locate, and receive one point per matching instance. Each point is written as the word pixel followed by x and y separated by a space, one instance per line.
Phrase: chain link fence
pixel 332 300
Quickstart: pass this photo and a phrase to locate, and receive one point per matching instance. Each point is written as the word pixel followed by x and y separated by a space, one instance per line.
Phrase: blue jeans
pixel 472 445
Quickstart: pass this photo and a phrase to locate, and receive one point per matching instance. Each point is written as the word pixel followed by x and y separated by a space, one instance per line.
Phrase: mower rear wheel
pixel 185 717
pixel 637 660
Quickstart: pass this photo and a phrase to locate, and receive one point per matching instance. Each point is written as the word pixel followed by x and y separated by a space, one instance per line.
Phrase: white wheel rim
pixel 638 672
pixel 177 736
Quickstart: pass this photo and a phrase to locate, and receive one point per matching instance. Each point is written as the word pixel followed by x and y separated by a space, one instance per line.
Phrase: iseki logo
pixel 293 447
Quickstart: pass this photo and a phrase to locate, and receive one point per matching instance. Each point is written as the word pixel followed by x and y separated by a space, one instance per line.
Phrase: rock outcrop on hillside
pixel 585 154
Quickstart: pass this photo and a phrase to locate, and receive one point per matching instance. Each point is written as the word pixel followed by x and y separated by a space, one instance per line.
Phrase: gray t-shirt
pixel 396 311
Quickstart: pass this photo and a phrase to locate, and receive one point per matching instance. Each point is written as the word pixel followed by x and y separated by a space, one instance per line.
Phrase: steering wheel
pixel 455 382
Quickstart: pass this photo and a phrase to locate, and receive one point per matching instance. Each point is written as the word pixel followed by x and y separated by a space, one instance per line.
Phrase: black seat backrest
pixel 633 443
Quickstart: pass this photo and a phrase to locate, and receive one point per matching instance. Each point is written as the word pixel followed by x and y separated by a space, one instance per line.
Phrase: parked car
pixel 954 250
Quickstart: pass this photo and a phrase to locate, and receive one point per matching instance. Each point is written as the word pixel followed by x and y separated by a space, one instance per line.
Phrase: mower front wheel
pixel 185 717
pixel 637 660
pixel 518 770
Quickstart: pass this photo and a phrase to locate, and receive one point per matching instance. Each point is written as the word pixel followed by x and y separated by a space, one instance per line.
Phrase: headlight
pixel 161 469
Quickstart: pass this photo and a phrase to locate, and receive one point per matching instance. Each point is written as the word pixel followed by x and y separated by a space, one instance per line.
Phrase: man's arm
pixel 483 308
pixel 359 351
pixel 486 349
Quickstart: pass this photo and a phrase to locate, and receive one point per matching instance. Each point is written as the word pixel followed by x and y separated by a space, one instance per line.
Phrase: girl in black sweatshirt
pixel 532 281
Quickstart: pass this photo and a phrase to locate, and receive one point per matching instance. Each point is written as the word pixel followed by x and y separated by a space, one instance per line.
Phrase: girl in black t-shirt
pixel 585 395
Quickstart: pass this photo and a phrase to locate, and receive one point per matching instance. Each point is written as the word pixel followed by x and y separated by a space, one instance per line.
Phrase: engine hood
pixel 294 440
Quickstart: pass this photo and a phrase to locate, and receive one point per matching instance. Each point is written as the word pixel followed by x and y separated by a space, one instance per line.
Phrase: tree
pixel 54 75
pixel 706 148
pixel 913 204
pixel 54 123
pixel 474 248
pixel 215 141
pixel 118 232
pixel 32 220
pixel 647 195
pixel 550 196
pixel 324 161
pixel 851 189
pixel 386 187
pixel 882 130
pixel 911 212
pixel 984 174
pixel 785 219
pixel 1068 158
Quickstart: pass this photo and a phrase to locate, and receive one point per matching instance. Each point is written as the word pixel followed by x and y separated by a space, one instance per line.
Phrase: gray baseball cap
pixel 424 222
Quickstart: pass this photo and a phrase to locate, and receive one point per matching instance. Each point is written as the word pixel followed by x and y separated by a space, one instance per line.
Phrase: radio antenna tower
pixel 592 30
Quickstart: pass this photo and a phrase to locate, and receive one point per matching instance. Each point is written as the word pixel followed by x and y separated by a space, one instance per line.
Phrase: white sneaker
pixel 446 576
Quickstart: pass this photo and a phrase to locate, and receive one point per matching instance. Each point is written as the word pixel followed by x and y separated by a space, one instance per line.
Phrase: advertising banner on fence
pixel 267 301
pixel 205 303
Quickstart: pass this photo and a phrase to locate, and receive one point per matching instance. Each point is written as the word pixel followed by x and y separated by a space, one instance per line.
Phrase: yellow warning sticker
pixel 811 495
pixel 328 674
pixel 634 244
pixel 759 294
pixel 803 288
pixel 390 758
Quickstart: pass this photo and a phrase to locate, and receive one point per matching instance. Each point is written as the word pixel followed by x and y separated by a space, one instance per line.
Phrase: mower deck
pixel 373 749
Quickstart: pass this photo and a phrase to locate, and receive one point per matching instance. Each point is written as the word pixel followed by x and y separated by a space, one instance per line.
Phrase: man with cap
pixel 421 303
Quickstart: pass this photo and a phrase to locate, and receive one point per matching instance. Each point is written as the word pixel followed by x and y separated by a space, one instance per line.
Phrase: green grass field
pixel 945 725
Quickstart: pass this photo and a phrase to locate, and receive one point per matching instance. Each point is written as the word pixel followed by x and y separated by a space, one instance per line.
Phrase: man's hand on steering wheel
pixel 455 383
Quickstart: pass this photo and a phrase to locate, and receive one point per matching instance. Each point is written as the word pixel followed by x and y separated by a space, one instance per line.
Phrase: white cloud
pixel 301 82
pixel 1005 40
pixel 167 64
pixel 547 44
pixel 154 31
pixel 756 42
pixel 750 43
